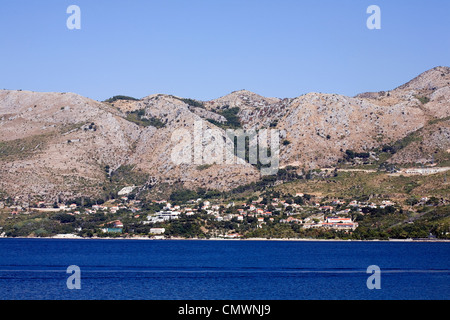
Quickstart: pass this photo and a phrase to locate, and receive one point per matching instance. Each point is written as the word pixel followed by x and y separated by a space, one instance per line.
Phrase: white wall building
pixel 157 230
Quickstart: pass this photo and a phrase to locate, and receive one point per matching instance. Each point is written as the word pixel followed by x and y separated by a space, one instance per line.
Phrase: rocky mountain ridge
pixel 54 144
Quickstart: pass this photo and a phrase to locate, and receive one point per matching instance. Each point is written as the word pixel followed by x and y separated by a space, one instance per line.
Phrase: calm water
pixel 133 269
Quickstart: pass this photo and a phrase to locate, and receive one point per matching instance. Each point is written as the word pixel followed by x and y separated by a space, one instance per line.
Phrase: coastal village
pixel 127 217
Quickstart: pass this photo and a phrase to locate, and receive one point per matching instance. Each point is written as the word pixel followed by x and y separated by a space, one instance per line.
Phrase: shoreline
pixel 222 239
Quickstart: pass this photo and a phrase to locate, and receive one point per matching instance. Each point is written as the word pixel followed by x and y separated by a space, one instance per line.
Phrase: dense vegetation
pixel 352 154
pixel 422 99
pixel 184 195
pixel 402 225
pixel 119 97
pixel 140 119
pixel 401 143
pixel 231 115
pixel 123 176
pixel 192 102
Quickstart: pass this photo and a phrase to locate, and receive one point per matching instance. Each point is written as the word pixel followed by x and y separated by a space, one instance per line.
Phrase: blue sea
pixel 222 270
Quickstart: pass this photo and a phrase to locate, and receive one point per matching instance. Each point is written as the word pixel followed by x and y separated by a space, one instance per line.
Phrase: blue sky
pixel 204 49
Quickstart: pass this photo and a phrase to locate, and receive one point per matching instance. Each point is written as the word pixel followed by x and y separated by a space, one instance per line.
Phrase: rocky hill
pixel 64 145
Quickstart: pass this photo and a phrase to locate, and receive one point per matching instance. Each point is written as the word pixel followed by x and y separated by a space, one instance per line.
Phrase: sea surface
pixel 222 270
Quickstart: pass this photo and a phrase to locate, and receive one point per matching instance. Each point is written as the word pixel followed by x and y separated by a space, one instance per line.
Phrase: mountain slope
pixel 65 145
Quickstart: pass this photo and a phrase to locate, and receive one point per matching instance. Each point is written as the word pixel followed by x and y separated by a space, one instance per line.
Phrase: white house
pixel 168 215
pixel 157 230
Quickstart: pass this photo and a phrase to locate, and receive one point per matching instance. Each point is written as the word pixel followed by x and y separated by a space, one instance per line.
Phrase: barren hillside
pixel 54 144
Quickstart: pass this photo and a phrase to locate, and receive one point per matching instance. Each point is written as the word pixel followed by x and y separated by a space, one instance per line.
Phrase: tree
pixel 64 218
pixel 183 195
pixel 350 154
pixel 433 201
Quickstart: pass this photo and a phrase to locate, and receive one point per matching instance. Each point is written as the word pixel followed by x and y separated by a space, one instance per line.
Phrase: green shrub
pixel 137 117
pixel 115 98
pixel 423 100
pixel 204 167
pixel 231 115
pixel 183 195
pixel 192 102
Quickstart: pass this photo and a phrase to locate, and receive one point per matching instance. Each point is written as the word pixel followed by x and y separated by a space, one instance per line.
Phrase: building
pixel 112 230
pixel 312 225
pixel 339 223
pixel 118 224
pixel 233 235
pixel 114 209
pixel 228 217
pixel 290 220
pixel 163 216
pixel 338 220
pixel 353 203
pixel 341 226
pixel 157 230
pixel 424 171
